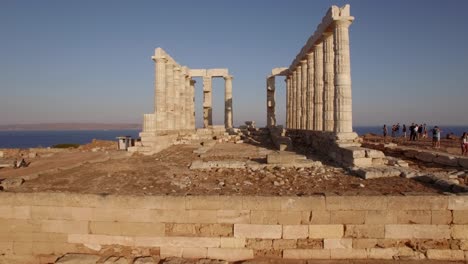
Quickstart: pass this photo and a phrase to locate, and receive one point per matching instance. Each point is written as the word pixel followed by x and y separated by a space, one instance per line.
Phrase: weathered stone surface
pixel 146 260
pixel 446 160
pixel 445 254
pixel 78 259
pixel 426 156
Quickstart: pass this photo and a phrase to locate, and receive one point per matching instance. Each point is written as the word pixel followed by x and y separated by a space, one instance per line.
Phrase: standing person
pixel 384 131
pixel 420 132
pixel 404 131
pixel 415 135
pixel 464 144
pixel 393 130
pixel 436 137
pixel 424 131
pixel 411 131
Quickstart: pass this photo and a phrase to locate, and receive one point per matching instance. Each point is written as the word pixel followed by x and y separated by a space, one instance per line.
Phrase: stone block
pixel 289 217
pixel 261 203
pixel 460 232
pixel 283 157
pixel 458 203
pixel 6 248
pixel 15 212
pixel 233 216
pixel 310 243
pixel 417 203
pixel 202 216
pixel 316 217
pixel 326 231
pixel 19 225
pixel 232 242
pixel 195 253
pixel 213 203
pixel 362 162
pixel 167 252
pixel 97 240
pixel 365 242
pixel 333 243
pixel 295 231
pixel 22 248
pixel 414 217
pixel 182 242
pixel 64 226
pixel 348 253
pixel 381 217
pixel 306 254
pixel 351 153
pixel 230 254
pixel 445 254
pixel 460 217
pixel 411 153
pixel 446 160
pixel 264 217
pixel 257 231
pixel 372 153
pixel 444 217
pixel 141 229
pixel 259 244
pixel 382 253
pixel 356 203
pixel 463 162
pixel 417 231
pixel 365 231
pixel 284 243
pixel 347 217
pixel 425 156
pixel 310 203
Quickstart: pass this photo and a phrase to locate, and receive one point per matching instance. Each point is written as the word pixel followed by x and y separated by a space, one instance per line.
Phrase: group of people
pixel 416 132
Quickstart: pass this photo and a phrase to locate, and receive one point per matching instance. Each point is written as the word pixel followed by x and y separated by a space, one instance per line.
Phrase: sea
pixel 32 139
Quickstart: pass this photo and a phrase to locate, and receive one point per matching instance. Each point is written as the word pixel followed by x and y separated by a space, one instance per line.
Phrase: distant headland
pixel 70 126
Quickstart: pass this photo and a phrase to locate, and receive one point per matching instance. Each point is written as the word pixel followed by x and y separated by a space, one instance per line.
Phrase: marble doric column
pixel 271 118
pixel 207 102
pixel 187 95
pixel 170 94
pixel 192 104
pixel 310 91
pixel 160 108
pixel 288 101
pixel 293 99
pixel 342 78
pixel 228 101
pixel 304 94
pixel 298 96
pixel 328 82
pixel 318 87
pixel 177 89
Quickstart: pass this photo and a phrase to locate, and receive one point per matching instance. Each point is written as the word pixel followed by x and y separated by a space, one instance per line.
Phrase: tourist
pixel 464 144
pixel 415 132
pixel 404 131
pixel 424 131
pixel 420 132
pixel 411 130
pixel 397 129
pixel 384 130
pixel 393 131
pixel 436 137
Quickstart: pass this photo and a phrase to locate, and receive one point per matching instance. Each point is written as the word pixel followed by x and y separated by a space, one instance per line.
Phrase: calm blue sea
pixel 31 139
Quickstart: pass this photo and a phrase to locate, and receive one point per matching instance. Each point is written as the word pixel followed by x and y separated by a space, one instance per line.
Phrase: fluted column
pixel 310 91
pixel 160 108
pixel 271 118
pixel 177 85
pixel 188 99
pixel 207 102
pixel 170 94
pixel 328 82
pixel 293 100
pixel 318 87
pixel 192 104
pixel 342 78
pixel 304 94
pixel 228 101
pixel 288 101
pixel 298 97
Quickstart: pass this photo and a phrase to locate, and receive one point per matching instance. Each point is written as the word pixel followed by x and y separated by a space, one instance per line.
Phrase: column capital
pixel 303 62
pixel 343 22
pixel 159 58
pixel 326 34
pixel 228 77
pixel 318 45
pixel 177 68
pixel 310 55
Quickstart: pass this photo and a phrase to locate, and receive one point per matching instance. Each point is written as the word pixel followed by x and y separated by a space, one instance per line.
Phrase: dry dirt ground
pixel 168 173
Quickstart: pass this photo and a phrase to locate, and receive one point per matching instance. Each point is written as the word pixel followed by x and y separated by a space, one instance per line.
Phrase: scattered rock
pixel 147 260
pixel 11 183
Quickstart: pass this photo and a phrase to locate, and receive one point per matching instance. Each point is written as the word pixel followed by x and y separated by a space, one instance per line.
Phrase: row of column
pixel 174 96
pixel 318 90
pixel 208 101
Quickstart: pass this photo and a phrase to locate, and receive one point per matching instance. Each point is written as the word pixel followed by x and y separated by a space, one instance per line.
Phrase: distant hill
pixel 70 126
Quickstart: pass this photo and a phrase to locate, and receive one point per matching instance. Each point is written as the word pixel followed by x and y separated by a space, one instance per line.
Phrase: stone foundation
pixel 39 227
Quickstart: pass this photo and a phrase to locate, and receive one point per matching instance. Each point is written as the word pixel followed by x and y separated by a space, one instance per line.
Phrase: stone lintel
pixel 283 71
pixel 217 72
pixel 197 72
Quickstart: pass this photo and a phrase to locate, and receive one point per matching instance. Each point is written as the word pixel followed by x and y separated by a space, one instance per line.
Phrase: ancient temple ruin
pixel 174 103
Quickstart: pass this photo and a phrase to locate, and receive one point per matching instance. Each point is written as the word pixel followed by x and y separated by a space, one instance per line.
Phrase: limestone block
pixel 463 162
pixel 182 242
pixel 97 240
pixel 347 217
pixel 317 217
pixel 283 157
pixel 279 71
pixel 356 202
pixel 64 226
pixel 444 217
pixel 326 231
pixel 261 203
pixel 306 254
pixel 381 253
pixel 426 156
pixel 445 254
pixel 417 231
pixel 233 216
pixel 417 203
pixel 365 231
pixel 232 242
pixel 331 243
pixel 197 72
pixel 213 203
pixel 365 242
pixel 6 248
pixel 264 217
pixel 348 253
pixel 414 217
pixel 196 253
pixel 289 217
pixel 259 244
pixel 372 153
pixel 283 243
pixel 381 217
pixel 350 153
pixel 303 203
pixel 78 259
pixel 257 231
pixel 217 72
pixel 167 252
pixel 460 232
pixel 460 217
pixel 15 212
pixel 230 254
pixel 295 231
pixel 458 203
pixel 446 160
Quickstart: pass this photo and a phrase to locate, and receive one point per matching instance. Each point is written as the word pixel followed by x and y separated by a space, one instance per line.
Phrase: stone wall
pixel 38 227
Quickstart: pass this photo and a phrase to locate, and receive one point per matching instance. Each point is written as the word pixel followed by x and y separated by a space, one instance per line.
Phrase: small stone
pixel 221 183
pixel 276 183
pixel 247 183
pixel 362 185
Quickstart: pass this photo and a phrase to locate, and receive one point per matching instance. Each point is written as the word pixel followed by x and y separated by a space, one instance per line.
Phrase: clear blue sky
pixel 89 61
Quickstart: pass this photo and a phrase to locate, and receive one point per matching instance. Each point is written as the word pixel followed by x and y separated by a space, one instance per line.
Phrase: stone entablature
pixel 39 227
pixel 318 81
